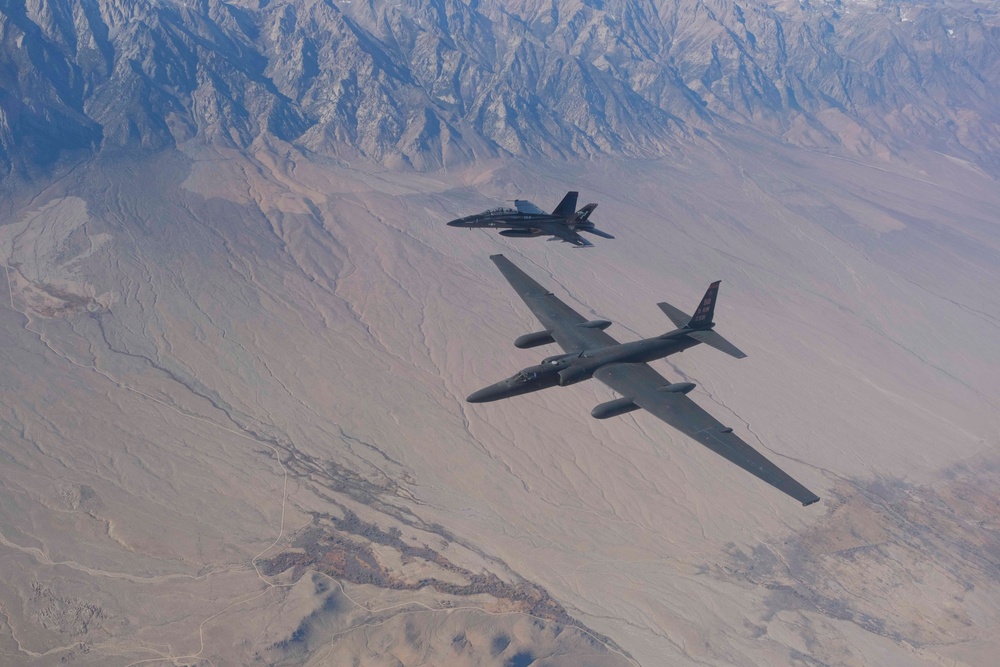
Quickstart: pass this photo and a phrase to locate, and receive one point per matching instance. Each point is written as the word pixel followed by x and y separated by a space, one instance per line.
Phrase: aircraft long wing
pixel 564 322
pixel 642 384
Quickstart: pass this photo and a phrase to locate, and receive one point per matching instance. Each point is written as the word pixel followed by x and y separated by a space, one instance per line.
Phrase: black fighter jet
pixel 589 352
pixel 526 220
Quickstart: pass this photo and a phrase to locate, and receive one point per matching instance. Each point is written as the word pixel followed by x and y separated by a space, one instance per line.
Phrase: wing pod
pixel 595 324
pixel 678 387
pixel 534 339
pixel 619 406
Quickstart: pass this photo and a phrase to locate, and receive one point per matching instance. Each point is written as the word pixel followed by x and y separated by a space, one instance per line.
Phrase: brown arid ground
pixel 233 427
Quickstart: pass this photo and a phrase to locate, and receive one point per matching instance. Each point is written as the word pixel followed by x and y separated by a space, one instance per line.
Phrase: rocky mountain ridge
pixel 435 82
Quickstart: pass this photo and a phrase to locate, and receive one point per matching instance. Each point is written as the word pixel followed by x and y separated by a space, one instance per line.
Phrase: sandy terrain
pixel 233 428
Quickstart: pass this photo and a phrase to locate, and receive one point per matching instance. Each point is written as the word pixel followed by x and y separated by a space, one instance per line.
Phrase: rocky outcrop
pixel 441 81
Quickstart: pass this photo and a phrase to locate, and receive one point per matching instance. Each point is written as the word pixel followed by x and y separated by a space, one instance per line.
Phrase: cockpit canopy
pixel 500 211
pixel 549 366
pixel 525 376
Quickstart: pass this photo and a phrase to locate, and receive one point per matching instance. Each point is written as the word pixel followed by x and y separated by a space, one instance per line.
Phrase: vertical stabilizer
pixel 567 207
pixel 584 213
pixel 706 309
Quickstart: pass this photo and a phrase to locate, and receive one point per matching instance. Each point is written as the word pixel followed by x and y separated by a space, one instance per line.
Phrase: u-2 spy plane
pixel 590 352
pixel 526 220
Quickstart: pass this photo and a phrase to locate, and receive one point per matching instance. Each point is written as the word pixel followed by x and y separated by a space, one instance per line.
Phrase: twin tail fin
pixel 567 207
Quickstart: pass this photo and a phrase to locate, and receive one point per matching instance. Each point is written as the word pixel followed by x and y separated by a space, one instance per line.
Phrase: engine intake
pixel 575 374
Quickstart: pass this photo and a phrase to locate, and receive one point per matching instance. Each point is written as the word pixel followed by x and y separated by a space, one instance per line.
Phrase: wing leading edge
pixel 556 316
pixel 525 206
pixel 641 383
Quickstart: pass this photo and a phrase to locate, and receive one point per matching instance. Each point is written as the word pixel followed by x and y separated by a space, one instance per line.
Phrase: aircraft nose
pixel 494 392
pixel 456 223
pixel 480 396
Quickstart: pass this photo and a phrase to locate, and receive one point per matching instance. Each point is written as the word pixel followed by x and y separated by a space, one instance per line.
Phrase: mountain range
pixel 433 83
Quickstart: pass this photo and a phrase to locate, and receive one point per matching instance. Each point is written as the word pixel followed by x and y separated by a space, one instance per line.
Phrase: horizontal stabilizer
pixel 716 340
pixel 595 231
pixel 676 315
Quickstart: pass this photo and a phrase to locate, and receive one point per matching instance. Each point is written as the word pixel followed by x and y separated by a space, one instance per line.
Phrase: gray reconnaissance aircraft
pixel 589 352
pixel 526 220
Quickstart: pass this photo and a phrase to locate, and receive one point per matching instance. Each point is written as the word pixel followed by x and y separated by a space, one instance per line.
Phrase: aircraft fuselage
pixel 506 218
pixel 526 220
pixel 566 369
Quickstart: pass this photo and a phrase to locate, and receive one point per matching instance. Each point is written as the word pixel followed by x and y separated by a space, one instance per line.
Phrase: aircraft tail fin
pixel 584 213
pixel 714 339
pixel 706 309
pixel 567 207
pixel 701 321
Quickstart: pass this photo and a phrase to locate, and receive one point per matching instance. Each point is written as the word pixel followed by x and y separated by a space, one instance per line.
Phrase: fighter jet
pixel 590 352
pixel 526 220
